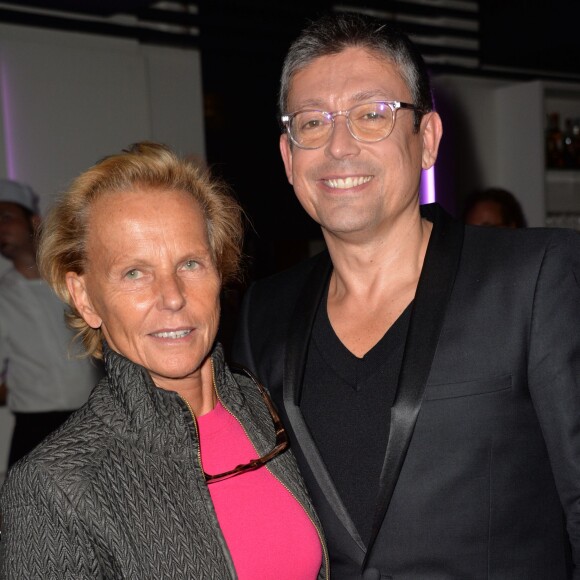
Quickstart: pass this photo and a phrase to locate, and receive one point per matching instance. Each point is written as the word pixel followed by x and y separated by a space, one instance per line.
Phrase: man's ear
pixel 286 151
pixel 77 288
pixel 432 131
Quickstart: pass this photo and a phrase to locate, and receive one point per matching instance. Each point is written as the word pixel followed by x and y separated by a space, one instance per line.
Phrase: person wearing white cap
pixel 43 379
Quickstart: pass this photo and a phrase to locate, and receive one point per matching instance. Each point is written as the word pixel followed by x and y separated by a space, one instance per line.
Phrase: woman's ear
pixel 77 288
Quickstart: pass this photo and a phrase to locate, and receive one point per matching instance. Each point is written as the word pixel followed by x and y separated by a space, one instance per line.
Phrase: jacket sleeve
pixel 554 371
pixel 42 538
pixel 242 348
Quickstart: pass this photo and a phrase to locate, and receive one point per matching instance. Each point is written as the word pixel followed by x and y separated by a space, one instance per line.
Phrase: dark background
pixel 538 36
pixel 242 44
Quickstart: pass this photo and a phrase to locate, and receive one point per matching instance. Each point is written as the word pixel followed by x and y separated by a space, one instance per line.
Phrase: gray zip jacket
pixel 118 492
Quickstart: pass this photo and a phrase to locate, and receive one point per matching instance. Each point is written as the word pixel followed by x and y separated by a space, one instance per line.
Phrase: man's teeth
pixel 347 182
pixel 172 334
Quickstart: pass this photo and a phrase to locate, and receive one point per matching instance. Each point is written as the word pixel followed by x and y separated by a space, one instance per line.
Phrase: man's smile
pixel 347 182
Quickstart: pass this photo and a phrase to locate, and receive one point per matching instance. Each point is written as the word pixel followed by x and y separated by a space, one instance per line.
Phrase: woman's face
pixel 150 283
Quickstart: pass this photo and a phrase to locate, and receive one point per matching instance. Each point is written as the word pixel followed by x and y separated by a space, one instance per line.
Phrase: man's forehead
pixel 351 75
pixel 350 53
pixel 12 207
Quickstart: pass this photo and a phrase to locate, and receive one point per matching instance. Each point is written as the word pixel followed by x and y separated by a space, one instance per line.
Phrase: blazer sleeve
pixel 42 538
pixel 242 344
pixel 554 371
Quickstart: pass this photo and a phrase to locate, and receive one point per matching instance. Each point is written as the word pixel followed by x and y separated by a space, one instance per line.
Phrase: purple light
pixel 427 187
pixel 7 121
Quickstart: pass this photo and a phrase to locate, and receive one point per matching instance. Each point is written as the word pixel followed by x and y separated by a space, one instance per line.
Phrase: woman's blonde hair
pixel 147 165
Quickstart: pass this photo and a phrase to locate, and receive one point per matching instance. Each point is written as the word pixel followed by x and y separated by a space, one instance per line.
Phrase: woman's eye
pixel 133 274
pixel 190 265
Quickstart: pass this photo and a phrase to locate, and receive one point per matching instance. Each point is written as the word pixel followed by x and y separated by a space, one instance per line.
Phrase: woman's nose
pixel 171 293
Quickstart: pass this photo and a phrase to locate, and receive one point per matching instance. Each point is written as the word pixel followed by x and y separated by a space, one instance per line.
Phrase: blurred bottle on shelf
pixel 564 220
pixel 554 142
pixel 568 145
pixel 576 141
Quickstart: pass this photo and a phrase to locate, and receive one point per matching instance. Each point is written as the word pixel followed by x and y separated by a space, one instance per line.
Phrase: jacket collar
pixel 434 288
pixel 130 403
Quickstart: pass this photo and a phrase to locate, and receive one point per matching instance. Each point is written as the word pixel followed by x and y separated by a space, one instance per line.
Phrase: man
pixel 494 207
pixel 45 383
pixel 428 373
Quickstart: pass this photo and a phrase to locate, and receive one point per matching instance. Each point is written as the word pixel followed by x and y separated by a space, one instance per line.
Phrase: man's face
pixel 16 231
pixel 352 188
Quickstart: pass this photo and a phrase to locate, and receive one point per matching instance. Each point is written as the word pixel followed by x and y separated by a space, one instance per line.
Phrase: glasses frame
pixel 282 440
pixel 286 120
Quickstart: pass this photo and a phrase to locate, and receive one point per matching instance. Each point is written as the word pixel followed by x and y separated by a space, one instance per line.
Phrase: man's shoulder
pixel 292 278
pixel 270 302
pixel 10 289
pixel 519 254
pixel 12 283
pixel 9 278
pixel 520 241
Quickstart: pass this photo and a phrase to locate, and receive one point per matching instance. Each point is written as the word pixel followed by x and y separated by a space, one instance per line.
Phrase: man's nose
pixel 341 142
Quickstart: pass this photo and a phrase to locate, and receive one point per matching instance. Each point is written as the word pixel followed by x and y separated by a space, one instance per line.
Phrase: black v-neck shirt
pixel 346 404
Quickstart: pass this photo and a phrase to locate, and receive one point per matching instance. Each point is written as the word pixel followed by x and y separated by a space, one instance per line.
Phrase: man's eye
pixel 310 123
pixel 371 117
pixel 313 123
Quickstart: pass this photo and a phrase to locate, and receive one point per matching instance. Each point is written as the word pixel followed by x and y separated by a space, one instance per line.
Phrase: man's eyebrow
pixel 310 104
pixel 371 95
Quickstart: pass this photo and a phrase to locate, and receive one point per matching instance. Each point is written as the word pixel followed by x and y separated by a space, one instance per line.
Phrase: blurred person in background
pixel 495 207
pixel 41 378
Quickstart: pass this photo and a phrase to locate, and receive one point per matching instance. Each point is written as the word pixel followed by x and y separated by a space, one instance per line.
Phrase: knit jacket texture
pixel 118 491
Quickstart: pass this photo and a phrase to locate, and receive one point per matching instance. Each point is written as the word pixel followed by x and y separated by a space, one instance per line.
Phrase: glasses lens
pixel 310 128
pixel 371 121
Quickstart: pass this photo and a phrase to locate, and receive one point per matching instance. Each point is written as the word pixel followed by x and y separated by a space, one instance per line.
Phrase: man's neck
pixel 373 283
pixel 367 266
pixel 26 267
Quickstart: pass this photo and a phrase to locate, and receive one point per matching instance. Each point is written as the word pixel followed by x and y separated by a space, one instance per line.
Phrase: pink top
pixel 268 533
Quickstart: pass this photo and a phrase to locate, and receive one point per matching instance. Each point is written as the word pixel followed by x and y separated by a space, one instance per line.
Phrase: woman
pixel 153 478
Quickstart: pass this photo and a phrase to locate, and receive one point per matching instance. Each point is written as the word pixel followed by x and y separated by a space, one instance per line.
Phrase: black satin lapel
pixel 300 328
pixel 433 292
pixel 294 364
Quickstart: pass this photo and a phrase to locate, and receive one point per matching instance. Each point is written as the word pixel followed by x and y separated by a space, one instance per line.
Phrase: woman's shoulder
pixel 67 457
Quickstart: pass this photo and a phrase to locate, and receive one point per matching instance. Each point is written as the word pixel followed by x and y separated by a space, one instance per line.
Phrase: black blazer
pixel 482 471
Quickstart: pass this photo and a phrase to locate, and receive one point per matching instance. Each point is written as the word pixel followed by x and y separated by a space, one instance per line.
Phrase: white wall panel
pixel 68 99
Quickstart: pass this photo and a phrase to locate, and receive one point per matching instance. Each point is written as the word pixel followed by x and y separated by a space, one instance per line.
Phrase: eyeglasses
pixel 368 122
pixel 282 442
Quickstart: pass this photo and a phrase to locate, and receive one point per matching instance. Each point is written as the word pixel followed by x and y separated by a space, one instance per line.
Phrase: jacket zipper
pixel 318 531
pixel 198 441
pixel 196 429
